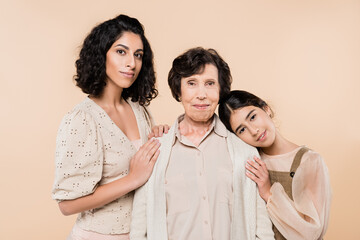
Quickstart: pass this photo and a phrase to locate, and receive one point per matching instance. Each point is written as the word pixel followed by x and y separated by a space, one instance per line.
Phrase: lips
pixel 262 136
pixel 201 106
pixel 128 74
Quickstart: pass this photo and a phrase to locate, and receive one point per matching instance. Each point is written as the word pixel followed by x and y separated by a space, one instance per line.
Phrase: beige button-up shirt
pixel 199 186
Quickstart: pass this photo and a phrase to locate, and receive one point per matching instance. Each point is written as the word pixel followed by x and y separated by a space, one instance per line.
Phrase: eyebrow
pixel 247 116
pixel 127 48
pixel 194 78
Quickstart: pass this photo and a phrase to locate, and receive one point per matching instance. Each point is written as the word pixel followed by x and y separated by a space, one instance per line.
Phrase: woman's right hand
pixel 142 163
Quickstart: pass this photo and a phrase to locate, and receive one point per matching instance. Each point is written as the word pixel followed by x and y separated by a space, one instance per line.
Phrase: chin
pixel 265 145
pixel 255 145
pixel 203 118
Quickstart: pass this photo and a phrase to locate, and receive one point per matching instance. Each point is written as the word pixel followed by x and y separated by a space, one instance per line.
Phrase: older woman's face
pixel 200 94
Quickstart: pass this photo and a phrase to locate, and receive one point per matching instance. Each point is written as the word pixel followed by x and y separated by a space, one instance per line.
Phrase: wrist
pixel 133 181
pixel 267 197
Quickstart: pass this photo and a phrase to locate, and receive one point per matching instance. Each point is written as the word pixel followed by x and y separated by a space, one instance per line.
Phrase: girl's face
pixel 254 126
pixel 124 60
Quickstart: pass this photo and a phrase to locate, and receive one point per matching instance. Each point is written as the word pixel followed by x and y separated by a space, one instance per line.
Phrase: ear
pixel 267 109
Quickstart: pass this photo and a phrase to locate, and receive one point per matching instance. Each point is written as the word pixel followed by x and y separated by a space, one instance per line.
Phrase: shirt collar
pixel 219 128
pixel 216 125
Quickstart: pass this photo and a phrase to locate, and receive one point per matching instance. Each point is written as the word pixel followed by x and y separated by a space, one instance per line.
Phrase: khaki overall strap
pixel 297 160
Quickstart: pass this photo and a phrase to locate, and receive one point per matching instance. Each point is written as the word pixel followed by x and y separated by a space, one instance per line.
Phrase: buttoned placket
pixel 204 200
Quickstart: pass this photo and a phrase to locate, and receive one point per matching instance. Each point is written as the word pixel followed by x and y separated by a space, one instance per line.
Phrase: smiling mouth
pixel 262 136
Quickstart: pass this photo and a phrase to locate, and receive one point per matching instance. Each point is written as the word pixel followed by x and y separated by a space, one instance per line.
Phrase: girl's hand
pixel 258 172
pixel 158 130
pixel 142 163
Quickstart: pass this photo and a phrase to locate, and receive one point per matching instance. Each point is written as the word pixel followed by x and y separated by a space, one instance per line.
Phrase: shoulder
pixel 312 175
pixel 313 163
pixel 136 106
pixel 81 116
pixel 139 110
pixel 239 144
pixel 167 140
pixel 87 106
pixel 312 157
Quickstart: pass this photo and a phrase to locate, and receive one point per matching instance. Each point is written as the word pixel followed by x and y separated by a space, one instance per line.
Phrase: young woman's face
pixel 200 94
pixel 124 60
pixel 254 126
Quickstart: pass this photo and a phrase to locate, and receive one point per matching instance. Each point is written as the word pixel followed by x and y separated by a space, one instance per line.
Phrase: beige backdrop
pixel 301 56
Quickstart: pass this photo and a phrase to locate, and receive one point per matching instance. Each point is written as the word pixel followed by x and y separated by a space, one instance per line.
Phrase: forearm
pixel 103 195
pixel 294 221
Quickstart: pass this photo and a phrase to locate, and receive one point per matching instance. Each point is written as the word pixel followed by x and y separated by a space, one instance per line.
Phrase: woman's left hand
pixel 258 172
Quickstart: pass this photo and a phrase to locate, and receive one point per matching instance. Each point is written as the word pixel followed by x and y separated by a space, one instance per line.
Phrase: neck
pixel 280 146
pixel 110 97
pixel 189 127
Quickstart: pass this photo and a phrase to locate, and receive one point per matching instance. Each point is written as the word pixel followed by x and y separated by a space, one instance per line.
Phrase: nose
pixel 130 63
pixel 253 130
pixel 201 92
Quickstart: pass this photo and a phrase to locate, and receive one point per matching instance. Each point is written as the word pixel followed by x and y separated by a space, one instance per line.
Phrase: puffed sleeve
pixel 78 157
pixel 307 216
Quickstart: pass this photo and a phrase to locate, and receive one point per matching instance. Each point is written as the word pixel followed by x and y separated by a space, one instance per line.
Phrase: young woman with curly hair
pixel 102 152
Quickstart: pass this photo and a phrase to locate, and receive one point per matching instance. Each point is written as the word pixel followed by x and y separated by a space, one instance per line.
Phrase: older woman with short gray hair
pixel 198 188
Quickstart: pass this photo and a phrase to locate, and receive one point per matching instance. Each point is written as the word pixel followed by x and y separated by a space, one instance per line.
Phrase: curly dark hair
pixel 238 99
pixel 192 62
pixel 90 67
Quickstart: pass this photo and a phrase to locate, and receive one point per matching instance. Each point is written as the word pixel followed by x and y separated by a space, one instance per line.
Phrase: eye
pixel 120 51
pixel 241 130
pixel 252 117
pixel 191 83
pixel 138 55
pixel 211 83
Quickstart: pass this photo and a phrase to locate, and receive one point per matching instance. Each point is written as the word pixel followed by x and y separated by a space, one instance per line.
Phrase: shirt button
pixel 206 222
pixel 204 197
pixel 200 173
